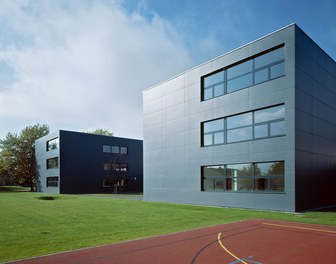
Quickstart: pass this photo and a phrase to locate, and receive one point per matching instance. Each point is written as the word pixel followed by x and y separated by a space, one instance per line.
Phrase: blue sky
pixel 232 23
pixel 83 64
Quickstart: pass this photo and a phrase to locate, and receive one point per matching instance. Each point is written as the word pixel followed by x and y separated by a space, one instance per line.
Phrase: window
pixel 123 167
pixel 269 176
pixel 239 177
pixel 239 76
pixel 261 68
pixel 123 150
pixel 52 163
pixel 115 166
pixel 213 85
pixel 267 122
pixel 106 149
pixel 107 166
pixel 52 144
pixel 247 177
pixel 52 181
pixel 213 178
pixel 107 183
pixel 239 127
pixel 117 184
pixel 115 149
pixel 213 132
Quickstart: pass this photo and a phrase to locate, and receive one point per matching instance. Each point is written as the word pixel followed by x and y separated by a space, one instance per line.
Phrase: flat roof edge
pixel 222 55
pixel 86 133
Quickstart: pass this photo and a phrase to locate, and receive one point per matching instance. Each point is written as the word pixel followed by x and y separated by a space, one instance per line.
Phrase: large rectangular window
pixel 247 177
pixel 52 163
pixel 52 182
pixel 267 122
pixel 258 69
pixel 115 149
pixel 52 144
pixel 115 166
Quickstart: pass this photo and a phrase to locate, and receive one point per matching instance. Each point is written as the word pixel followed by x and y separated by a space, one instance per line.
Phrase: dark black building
pixel 72 162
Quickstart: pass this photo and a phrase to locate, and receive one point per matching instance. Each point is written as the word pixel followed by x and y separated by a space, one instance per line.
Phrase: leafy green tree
pixel 17 155
pixel 8 152
pixel 102 132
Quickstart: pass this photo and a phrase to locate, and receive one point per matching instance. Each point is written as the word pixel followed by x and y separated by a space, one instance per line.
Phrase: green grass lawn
pixel 31 227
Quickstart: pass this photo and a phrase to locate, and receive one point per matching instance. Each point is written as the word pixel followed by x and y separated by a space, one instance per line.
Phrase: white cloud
pixel 83 65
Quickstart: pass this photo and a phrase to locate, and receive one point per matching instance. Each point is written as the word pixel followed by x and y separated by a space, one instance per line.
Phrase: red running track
pixel 252 241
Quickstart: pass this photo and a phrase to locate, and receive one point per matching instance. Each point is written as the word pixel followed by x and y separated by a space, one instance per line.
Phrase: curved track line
pixel 304 228
pixel 228 251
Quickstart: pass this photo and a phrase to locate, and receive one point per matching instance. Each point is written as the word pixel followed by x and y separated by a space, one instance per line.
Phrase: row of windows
pixel 52 163
pixel 259 69
pixel 263 176
pixel 257 124
pixel 115 149
pixel 52 144
pixel 52 182
pixel 115 166
pixel 121 185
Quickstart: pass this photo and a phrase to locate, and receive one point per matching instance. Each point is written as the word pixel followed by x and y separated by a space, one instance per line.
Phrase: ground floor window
pixel 116 184
pixel 244 177
pixel 52 181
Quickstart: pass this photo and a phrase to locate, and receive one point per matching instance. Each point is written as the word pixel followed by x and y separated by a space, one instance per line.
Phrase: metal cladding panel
pixel 173 160
pixel 315 125
pixel 42 155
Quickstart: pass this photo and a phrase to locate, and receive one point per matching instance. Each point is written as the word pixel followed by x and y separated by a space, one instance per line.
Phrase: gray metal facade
pixel 174 112
pixel 42 155
pixel 86 163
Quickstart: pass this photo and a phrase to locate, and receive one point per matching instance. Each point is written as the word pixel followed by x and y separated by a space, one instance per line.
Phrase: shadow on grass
pixel 14 189
pixel 47 198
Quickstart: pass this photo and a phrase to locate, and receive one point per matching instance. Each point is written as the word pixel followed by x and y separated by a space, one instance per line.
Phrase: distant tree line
pixel 17 155
pixel 101 131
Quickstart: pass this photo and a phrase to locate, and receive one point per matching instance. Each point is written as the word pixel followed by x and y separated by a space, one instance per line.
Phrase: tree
pixel 17 155
pixel 8 152
pixel 102 132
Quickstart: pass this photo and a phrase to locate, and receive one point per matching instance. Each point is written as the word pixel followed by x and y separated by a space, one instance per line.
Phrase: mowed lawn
pixel 32 227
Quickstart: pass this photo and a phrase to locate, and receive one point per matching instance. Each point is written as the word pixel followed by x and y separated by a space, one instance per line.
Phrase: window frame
pixel 252 178
pixel 253 126
pixel 115 166
pixel 50 147
pixel 107 148
pixel 52 181
pixel 254 71
pixel 114 149
pixel 49 165
pixel 121 152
